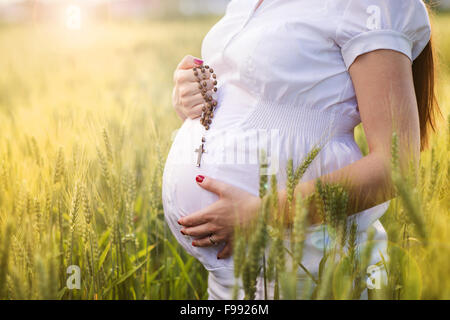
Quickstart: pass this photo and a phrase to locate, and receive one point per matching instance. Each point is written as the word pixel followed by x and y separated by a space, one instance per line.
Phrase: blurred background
pixel 54 10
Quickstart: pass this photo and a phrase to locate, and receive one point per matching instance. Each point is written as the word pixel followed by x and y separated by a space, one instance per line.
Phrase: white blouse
pixel 283 81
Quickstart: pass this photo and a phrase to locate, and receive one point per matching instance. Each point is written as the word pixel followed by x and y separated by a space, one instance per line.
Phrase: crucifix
pixel 200 150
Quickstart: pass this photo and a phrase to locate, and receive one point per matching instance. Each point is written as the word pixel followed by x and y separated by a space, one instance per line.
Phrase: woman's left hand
pixel 234 207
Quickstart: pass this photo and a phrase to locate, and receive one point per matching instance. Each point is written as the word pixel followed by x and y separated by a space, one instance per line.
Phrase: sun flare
pixel 73 17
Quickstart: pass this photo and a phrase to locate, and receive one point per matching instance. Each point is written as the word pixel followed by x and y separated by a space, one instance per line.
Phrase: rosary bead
pixel 209 106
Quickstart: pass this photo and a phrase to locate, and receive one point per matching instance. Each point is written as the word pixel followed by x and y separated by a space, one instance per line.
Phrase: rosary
pixel 208 107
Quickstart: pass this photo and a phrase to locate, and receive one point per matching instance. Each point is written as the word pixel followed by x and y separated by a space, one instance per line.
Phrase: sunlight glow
pixel 73 17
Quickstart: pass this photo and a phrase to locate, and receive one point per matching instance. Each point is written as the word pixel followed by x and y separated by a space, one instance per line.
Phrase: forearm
pixel 367 182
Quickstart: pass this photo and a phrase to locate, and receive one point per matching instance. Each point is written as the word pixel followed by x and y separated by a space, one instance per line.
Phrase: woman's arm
pixel 384 89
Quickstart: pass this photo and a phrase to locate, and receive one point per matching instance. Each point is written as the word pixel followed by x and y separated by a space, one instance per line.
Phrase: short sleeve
pixel 368 25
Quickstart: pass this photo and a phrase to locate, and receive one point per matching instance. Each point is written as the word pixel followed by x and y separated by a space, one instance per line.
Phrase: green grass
pixel 86 123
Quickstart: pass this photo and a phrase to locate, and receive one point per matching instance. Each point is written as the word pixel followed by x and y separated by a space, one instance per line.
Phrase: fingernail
pixel 218 258
pixel 179 222
pixel 193 243
pixel 182 232
pixel 199 178
pixel 198 61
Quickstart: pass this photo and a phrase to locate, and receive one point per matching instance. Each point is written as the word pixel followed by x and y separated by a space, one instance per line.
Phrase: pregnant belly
pixel 182 195
pixel 232 157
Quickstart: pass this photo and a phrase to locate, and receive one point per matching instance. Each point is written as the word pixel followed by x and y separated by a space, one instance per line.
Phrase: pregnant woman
pixel 292 75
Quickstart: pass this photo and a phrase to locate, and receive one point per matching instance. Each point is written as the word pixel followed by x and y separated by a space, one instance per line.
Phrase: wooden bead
pixel 204 83
pixel 215 89
pixel 207 127
pixel 200 86
pixel 206 67
pixel 215 82
pixel 211 70
pixel 214 103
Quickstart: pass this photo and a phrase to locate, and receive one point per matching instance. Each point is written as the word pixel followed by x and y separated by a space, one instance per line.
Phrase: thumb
pixel 210 184
pixel 189 62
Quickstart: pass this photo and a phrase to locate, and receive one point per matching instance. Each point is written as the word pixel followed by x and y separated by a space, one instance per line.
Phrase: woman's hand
pixel 187 98
pixel 234 207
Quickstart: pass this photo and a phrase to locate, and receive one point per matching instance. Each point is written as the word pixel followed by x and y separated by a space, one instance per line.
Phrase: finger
pixel 189 62
pixel 226 251
pixel 191 101
pixel 195 112
pixel 206 242
pixel 200 217
pixel 213 185
pixel 199 231
pixel 182 76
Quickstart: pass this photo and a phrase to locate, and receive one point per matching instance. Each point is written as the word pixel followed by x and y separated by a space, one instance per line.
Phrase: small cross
pixel 200 150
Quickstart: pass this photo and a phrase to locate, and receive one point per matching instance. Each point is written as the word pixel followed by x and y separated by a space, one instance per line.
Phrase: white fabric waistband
pixel 301 120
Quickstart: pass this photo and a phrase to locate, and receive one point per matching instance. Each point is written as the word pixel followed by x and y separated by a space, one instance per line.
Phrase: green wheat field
pixel 85 125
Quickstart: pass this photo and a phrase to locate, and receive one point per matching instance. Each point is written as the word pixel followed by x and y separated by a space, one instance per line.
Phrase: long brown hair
pixel 424 74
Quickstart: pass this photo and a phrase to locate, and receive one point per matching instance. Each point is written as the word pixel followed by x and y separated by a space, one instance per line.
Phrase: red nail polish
pixel 179 222
pixel 218 258
pixel 198 61
pixel 182 232
pixel 199 178
pixel 193 243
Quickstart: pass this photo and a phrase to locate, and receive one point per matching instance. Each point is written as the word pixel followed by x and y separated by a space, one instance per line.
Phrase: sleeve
pixel 368 25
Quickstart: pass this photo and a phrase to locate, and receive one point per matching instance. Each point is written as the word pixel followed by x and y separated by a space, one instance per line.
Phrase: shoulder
pixel 366 25
pixel 381 14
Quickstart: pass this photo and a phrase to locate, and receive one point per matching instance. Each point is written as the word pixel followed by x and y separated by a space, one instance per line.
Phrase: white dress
pixel 284 87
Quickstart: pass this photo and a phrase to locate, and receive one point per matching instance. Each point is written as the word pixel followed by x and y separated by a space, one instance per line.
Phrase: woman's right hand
pixel 187 98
